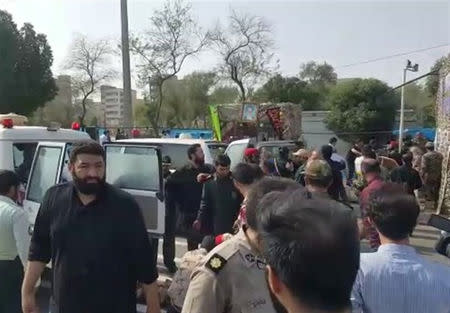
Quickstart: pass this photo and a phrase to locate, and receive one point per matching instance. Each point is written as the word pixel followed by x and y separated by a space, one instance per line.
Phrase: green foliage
pixel 361 105
pixel 54 111
pixel 418 99
pixel 224 95
pixel 318 74
pixel 432 83
pixel 26 79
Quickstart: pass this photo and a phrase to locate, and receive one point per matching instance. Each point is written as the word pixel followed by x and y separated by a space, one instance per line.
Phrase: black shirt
pixel 408 177
pixel 351 156
pixel 220 206
pixel 337 187
pixel 99 251
pixel 184 187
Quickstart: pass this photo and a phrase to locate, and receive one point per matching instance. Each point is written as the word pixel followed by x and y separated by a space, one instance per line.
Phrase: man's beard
pixel 88 188
pixel 199 161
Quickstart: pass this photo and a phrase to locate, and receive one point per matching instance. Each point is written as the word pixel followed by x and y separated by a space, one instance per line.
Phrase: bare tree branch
pixel 244 47
pixel 88 63
pixel 173 37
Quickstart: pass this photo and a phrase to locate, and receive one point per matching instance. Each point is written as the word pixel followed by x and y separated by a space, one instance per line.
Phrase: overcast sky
pixel 338 32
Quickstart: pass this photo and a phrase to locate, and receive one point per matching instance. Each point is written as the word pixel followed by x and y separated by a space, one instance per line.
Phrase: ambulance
pixel 18 144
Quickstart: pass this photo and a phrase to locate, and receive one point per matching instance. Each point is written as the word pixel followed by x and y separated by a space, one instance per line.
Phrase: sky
pixel 338 32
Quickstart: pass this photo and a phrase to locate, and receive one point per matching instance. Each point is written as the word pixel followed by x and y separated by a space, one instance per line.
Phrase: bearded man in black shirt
pixel 95 237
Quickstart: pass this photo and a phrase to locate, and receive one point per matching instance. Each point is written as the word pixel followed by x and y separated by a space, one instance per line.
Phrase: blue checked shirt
pixel 396 279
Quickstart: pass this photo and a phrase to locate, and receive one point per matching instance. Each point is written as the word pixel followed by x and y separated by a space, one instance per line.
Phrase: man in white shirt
pixel 14 243
pixel 396 278
pixel 105 138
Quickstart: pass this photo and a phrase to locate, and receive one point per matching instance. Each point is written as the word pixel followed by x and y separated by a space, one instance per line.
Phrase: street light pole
pixel 402 114
pixel 127 109
pixel 412 68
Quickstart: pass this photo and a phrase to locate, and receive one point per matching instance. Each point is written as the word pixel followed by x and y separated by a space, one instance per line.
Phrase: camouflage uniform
pixel 431 170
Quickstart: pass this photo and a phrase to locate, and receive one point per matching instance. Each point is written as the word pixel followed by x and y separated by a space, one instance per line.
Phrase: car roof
pixel 39 133
pixel 169 140
pixel 276 143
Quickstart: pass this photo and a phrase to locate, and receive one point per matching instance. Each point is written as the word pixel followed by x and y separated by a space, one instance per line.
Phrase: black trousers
pixel 169 234
pixel 11 277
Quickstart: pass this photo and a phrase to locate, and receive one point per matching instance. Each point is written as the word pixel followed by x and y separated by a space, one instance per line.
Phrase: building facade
pixel 112 102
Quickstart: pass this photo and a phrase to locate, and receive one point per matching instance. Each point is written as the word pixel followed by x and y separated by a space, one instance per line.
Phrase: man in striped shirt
pixel 396 278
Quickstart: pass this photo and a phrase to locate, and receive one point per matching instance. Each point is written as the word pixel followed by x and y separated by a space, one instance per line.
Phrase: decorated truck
pixel 265 121
pixel 443 135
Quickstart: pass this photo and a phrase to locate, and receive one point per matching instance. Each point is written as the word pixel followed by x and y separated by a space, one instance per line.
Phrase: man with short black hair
pixel 371 171
pixel 220 201
pixel 312 252
pixel 14 242
pixel 396 278
pixel 232 277
pixel 336 188
pixel 186 191
pixel 94 235
pixel 333 141
pixel 406 176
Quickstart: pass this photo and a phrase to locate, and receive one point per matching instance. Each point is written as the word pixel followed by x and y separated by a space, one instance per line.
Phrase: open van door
pixel 137 169
pixel 46 171
pixel 235 151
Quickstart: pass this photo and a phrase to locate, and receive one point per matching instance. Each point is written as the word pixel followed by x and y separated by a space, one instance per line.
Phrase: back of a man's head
pixel 367 152
pixel 370 166
pixel 326 152
pixel 8 179
pixel 247 173
pixel 260 189
pixel 407 158
pixel 318 174
pixel 393 211
pixel 312 250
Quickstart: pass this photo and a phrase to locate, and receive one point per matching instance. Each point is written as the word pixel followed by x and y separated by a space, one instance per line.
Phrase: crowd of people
pixel 274 234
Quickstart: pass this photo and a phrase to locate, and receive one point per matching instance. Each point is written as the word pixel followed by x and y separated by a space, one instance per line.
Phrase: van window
pixel 44 173
pixel 23 154
pixel 177 153
pixel 135 168
pixel 236 153
pixel 216 148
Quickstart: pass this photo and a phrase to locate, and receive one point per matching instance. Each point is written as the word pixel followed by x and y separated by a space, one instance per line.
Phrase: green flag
pixel 215 122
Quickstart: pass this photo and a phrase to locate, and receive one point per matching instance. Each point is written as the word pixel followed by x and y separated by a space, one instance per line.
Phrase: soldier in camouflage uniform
pixel 431 170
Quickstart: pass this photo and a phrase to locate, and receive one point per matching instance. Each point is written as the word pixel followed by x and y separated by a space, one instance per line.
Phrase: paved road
pixel 424 238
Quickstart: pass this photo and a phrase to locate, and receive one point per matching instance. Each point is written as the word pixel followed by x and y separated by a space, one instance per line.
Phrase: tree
pixel 245 49
pixel 361 105
pixel 224 95
pixel 418 99
pixel 198 86
pixel 432 83
pixel 173 37
pixel 26 79
pixel 321 74
pixel 89 64
pixel 140 114
pixel 54 111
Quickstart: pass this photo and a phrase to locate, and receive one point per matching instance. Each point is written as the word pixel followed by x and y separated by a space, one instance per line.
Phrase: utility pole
pixel 412 68
pixel 127 108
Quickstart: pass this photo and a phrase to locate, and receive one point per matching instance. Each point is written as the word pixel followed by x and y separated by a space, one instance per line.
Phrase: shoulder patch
pixel 216 263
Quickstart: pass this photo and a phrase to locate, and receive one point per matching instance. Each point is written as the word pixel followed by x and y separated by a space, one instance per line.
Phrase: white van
pixel 133 167
pixel 177 148
pixel 18 145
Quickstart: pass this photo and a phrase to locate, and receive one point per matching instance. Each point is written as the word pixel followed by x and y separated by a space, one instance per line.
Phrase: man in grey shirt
pixel 14 243
pixel 396 278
